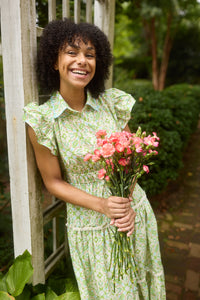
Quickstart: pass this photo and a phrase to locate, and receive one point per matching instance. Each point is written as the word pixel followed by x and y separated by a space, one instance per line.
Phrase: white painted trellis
pixel 19 35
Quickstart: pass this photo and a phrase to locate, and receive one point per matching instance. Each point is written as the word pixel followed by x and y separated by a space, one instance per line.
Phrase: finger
pixel 128 229
pixel 124 225
pixel 120 200
pixel 117 215
pixel 120 210
pixel 130 217
pixel 131 232
pixel 118 206
pixel 112 222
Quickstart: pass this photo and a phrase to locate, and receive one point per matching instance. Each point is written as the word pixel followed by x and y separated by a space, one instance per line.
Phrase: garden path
pixel 179 228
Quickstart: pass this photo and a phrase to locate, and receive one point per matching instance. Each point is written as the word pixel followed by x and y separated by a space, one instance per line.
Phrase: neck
pixel 75 99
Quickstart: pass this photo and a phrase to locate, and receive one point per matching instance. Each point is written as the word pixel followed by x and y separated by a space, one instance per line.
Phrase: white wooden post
pixel 89 11
pixel 77 10
pixel 19 48
pixel 51 10
pixel 104 18
pixel 65 9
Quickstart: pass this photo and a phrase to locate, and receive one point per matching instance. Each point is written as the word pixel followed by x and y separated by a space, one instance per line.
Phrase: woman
pixel 73 64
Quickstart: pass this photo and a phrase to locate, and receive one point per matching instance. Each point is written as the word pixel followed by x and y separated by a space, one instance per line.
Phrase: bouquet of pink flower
pixel 123 158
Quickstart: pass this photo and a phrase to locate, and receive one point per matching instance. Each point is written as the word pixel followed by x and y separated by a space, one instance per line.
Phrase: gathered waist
pixel 84 178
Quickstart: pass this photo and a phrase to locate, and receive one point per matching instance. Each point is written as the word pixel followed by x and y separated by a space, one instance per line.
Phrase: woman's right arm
pixel 48 164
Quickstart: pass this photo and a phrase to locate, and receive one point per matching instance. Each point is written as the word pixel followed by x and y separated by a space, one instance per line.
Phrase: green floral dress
pixel 70 134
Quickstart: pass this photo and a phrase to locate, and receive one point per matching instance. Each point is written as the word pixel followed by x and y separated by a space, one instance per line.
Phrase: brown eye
pixel 71 52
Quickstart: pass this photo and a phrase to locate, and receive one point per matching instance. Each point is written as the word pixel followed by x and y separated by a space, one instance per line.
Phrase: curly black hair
pixel 56 35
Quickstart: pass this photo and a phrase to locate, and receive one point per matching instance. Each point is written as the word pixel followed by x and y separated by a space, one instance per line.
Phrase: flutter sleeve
pixel 121 104
pixel 42 122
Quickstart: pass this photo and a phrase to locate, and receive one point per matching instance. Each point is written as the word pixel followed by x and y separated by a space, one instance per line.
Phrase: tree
pixel 157 22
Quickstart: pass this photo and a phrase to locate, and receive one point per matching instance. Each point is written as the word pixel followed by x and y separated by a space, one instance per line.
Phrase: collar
pixel 60 105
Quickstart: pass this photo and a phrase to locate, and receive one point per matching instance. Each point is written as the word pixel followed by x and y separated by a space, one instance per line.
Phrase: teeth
pixel 79 72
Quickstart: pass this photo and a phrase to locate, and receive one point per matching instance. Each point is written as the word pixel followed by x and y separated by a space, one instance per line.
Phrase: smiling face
pixel 76 65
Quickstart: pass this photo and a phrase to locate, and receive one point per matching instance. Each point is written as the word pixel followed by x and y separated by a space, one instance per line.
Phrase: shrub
pixel 173 114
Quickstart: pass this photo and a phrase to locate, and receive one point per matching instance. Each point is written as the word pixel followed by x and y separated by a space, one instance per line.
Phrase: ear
pixel 56 66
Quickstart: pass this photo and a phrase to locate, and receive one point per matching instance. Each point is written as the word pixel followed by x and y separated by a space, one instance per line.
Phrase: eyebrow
pixel 78 47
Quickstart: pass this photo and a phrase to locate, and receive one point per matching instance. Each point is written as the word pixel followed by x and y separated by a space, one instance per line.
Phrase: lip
pixel 81 72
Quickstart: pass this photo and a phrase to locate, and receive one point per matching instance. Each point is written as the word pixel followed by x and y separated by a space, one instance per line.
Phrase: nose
pixel 81 59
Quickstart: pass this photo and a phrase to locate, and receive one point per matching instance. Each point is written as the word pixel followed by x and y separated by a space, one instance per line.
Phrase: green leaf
pixel 6 296
pixel 3 286
pixel 70 285
pixel 69 296
pixel 19 274
pixel 50 295
pixel 39 297
pixel 25 295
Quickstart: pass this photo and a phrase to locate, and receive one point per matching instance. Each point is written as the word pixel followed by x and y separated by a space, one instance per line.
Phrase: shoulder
pixel 40 112
pixel 115 97
pixel 114 93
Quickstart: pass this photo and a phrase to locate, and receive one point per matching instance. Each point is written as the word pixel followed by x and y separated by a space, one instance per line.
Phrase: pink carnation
pixel 138 148
pixel 155 136
pixel 87 157
pixel 128 151
pixel 119 147
pixel 114 137
pixel 100 134
pixel 153 151
pixel 101 173
pixel 137 140
pixel 97 152
pixel 95 158
pixel 149 140
pixel 123 162
pixel 146 169
pixel 101 142
pixel 107 150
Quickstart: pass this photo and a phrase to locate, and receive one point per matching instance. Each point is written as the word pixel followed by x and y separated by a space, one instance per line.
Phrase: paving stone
pixel 165 226
pixel 174 266
pixel 176 289
pixel 179 245
pixel 183 225
pixel 171 296
pixel 195 238
pixel 168 217
pixel 194 250
pixel 174 279
pixel 192 281
pixel 189 296
pixel 193 263
pixel 187 214
pixel 186 220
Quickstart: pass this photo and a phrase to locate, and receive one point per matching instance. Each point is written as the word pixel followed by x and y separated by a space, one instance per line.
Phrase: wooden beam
pixel 65 9
pixel 89 11
pixel 104 18
pixel 53 210
pixel 19 49
pixel 51 10
pixel 77 10
pixel 53 259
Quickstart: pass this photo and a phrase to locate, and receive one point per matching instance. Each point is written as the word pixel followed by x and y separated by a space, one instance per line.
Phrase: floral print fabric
pixel 70 135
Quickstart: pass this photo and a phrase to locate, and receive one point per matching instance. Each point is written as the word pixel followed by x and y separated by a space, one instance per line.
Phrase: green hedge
pixel 173 114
